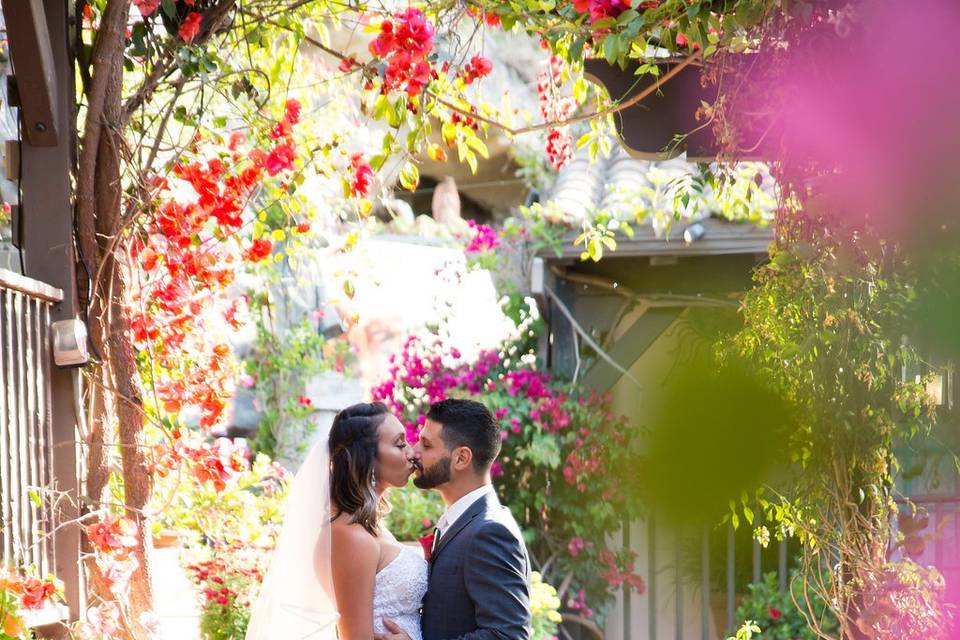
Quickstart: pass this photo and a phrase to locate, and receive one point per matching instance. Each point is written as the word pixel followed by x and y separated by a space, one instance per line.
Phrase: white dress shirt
pixel 458 508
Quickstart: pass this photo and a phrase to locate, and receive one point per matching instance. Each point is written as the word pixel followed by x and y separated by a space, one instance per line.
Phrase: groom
pixel 479 585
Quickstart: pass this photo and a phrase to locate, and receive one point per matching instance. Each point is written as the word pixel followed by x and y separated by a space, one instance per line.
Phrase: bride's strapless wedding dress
pixel 398 592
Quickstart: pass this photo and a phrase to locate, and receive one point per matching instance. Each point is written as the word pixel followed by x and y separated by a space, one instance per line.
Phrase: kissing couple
pixel 337 572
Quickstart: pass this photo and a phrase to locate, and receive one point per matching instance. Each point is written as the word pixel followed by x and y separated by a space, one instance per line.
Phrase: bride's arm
pixel 354 563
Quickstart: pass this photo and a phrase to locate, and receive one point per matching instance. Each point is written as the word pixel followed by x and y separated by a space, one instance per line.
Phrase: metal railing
pixel 27 533
pixel 693 571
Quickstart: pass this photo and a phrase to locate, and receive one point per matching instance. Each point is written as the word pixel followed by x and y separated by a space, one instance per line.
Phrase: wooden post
pixel 47 234
pixel 34 68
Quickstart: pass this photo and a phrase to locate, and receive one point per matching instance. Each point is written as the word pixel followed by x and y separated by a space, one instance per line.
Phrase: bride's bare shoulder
pixel 351 537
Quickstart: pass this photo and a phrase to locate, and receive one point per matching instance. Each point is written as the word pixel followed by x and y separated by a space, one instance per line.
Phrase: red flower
pixel 774 614
pixel 190 27
pixel 427 543
pixel 363 178
pixel 346 65
pixel 146 7
pixel 113 535
pixel 36 592
pixel 404 46
pixel 259 250
pixel 304 401
pixel 303 227
pixel 280 159
pixel 477 68
pixel 236 139
pixel 292 110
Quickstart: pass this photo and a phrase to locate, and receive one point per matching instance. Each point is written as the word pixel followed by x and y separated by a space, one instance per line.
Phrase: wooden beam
pixel 631 346
pixel 31 53
pixel 47 233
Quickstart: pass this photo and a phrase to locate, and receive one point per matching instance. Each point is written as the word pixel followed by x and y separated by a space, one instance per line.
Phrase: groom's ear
pixel 462 458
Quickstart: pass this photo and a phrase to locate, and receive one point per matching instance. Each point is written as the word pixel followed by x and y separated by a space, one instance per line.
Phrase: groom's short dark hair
pixel 467 423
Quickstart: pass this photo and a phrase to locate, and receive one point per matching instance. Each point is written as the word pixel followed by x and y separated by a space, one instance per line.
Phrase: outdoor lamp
pixel 69 343
pixel 694 232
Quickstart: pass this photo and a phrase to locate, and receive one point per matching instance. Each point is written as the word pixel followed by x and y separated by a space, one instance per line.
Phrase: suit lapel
pixel 475 509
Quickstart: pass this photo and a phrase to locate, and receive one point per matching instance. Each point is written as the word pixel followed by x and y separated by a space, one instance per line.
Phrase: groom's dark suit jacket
pixel 479 578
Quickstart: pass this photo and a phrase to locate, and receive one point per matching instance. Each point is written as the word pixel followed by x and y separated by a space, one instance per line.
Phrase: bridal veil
pixel 296 601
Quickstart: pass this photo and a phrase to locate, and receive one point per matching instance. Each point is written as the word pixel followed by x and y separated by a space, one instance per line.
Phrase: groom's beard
pixel 433 477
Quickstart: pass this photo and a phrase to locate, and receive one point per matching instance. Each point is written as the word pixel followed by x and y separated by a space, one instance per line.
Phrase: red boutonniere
pixel 427 543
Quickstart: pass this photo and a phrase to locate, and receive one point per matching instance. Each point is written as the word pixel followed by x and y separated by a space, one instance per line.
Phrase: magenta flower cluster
pixel 426 370
pixel 484 238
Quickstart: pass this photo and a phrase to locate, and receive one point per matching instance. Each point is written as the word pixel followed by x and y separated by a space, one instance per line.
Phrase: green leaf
pixel 576 49
pixel 394 117
pixel 748 514
pixel 380 107
pixel 611 48
pixel 478 145
pixel 169 8
pixel 34 497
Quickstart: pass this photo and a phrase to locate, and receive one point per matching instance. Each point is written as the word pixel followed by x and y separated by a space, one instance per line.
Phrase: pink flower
pixel 496 470
pixel 117 573
pixel 575 546
pixel 246 381
pixel 484 238
pixel 280 159
pixel 600 9
pixel 103 620
pixel 190 27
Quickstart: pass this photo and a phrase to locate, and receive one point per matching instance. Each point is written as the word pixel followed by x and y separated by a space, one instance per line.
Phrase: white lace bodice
pixel 398 592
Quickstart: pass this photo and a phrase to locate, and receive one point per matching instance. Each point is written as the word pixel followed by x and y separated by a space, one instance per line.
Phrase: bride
pixel 337 572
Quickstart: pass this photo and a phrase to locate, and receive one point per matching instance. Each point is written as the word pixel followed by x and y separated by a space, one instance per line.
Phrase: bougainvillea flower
pixel 363 176
pixel 113 535
pixel 190 27
pixel 146 7
pixel 259 250
pixel 280 159
pixel 36 592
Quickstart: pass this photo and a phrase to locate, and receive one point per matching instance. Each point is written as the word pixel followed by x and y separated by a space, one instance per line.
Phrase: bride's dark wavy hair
pixel 354 440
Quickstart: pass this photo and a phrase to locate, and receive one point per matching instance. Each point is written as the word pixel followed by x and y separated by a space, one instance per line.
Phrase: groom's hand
pixel 393 632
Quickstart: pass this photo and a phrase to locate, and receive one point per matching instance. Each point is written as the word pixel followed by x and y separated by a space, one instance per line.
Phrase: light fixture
pixel 694 232
pixel 70 343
